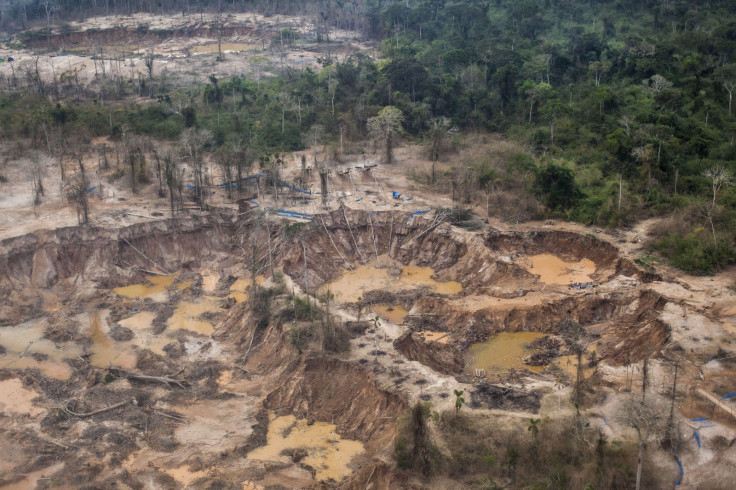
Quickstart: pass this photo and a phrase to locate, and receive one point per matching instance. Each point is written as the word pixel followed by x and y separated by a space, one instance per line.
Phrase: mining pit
pixel 133 356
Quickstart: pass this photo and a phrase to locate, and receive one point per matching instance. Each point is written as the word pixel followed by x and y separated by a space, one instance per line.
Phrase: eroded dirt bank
pixel 193 377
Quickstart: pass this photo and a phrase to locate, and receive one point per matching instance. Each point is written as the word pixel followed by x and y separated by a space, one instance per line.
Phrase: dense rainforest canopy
pixel 624 107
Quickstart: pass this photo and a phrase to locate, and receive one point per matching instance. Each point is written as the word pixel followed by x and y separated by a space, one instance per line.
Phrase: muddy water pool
pixel 25 340
pixel 328 453
pixel 554 270
pixel 155 288
pixel 186 316
pixel 238 289
pixel 502 352
pixel 354 283
pixel 394 314
pixel 105 350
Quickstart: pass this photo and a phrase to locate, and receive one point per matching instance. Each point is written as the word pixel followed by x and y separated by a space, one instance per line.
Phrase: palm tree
pixel 534 428
pixel 459 400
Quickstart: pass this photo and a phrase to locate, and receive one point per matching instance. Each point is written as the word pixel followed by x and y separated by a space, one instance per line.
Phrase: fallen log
pixel 95 412
pixel 146 379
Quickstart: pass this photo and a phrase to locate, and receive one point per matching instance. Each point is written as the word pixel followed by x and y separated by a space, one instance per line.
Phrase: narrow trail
pixel 717 401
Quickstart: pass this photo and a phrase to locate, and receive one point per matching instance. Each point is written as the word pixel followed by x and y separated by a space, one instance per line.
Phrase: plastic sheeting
pixel 421 211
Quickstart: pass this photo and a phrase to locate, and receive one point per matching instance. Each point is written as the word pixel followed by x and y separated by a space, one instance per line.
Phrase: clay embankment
pixel 80 260
pixel 356 237
pixel 443 358
pixel 340 393
pixel 569 245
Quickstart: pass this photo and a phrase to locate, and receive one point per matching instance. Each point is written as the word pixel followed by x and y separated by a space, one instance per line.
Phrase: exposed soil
pixel 442 358
pixel 184 47
pixel 72 343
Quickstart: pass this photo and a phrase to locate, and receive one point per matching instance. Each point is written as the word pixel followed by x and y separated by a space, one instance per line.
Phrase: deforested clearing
pixel 367 245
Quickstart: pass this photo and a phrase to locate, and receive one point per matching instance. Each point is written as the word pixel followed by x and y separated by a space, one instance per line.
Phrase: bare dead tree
pixel 173 177
pixel 649 419
pixel 76 192
pixel 719 177
pixel 193 143
pixel 148 61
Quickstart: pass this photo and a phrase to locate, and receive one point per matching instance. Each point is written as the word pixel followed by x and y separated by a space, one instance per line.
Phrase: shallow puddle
pixel 327 452
pixel 209 280
pixel 144 337
pixel 503 351
pixel 31 479
pixel 186 316
pixel 184 475
pixel 155 289
pixel 394 314
pixel 23 341
pixel 15 399
pixel 226 48
pixel 553 270
pixel 430 336
pixel 238 289
pixel 106 351
pixel 353 284
pixel 569 364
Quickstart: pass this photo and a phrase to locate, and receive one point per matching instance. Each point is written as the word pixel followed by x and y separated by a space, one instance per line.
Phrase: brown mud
pixel 175 383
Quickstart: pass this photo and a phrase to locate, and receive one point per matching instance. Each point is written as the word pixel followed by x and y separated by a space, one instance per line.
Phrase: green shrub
pixel 695 255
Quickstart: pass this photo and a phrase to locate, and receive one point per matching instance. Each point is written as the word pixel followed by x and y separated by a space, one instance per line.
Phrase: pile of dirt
pixel 443 358
pixel 340 393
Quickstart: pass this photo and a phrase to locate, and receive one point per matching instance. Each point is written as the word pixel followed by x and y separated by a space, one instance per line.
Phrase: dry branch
pixel 147 379
pixel 95 412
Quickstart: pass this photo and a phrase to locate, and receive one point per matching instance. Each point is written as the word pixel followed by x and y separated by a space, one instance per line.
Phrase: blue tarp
pixel 730 395
pixel 234 183
pixel 422 211
pixel 604 419
pixel 395 195
pixel 700 419
pixel 285 213
pixel 294 188
pixel 293 212
pixel 584 285
pixel 682 471
pixel 91 189
pixel 697 436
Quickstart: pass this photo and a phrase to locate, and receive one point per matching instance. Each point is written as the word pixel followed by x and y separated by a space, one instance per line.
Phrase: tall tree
pixel 384 127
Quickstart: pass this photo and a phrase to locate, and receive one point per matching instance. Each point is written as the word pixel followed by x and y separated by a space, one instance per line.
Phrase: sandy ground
pixel 189 58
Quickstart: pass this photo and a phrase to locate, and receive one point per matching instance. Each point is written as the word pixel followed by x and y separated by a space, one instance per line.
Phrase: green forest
pixel 623 108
